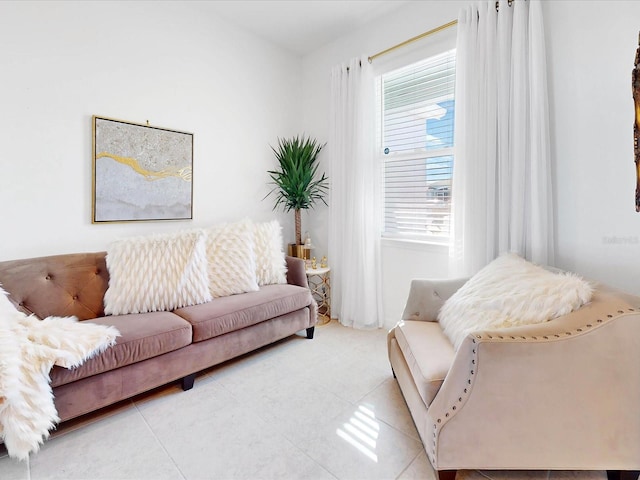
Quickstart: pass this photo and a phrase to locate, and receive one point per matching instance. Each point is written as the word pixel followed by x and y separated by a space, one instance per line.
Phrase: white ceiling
pixel 301 26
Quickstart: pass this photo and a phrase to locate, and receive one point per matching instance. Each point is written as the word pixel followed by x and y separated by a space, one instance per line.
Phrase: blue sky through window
pixel 439 132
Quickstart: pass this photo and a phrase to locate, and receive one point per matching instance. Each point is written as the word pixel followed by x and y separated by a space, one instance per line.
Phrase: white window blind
pixel 415 141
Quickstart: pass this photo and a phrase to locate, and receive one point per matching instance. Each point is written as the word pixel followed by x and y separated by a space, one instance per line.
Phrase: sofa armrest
pixel 534 390
pixel 426 297
pixel 296 273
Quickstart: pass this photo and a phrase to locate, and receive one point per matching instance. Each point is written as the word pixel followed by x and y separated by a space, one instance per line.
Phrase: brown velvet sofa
pixel 154 348
pixel 561 395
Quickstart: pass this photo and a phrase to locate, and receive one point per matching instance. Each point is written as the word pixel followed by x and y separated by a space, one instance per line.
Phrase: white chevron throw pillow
pixel 157 273
pixel 232 266
pixel 271 266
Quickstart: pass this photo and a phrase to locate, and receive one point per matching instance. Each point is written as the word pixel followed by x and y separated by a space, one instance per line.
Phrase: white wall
pixel 171 63
pixel 591 47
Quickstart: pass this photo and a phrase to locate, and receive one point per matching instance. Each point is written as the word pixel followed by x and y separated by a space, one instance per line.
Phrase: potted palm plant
pixel 295 184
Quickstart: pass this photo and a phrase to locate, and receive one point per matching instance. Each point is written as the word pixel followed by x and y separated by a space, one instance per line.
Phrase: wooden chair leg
pixel 623 475
pixel 446 474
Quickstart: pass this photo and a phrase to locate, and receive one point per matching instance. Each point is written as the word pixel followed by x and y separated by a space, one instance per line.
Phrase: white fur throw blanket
pixel 29 348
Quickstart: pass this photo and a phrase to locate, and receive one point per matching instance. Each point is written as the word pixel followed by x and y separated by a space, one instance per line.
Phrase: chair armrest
pixel 296 273
pixel 426 297
pixel 536 390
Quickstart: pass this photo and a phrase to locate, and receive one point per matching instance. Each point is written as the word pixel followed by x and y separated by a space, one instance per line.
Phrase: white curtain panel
pixel 502 198
pixel 354 203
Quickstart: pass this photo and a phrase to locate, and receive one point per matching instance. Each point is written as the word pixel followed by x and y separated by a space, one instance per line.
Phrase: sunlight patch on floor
pixel 361 432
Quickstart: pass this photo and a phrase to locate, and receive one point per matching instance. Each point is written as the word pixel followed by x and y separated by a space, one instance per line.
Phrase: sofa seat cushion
pixel 428 353
pixel 227 314
pixel 142 336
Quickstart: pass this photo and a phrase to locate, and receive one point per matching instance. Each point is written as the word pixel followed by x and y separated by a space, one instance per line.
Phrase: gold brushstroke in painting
pixel 181 172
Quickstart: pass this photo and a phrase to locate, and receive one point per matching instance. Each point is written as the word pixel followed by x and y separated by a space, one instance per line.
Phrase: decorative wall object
pixel 141 172
pixel 635 85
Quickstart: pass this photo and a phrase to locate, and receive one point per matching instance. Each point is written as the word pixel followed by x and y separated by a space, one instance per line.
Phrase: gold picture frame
pixel 635 86
pixel 140 172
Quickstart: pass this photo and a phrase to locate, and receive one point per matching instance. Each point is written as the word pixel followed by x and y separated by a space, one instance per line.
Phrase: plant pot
pixel 297 250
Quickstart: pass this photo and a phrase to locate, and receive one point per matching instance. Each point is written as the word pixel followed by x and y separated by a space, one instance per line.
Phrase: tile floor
pixel 326 408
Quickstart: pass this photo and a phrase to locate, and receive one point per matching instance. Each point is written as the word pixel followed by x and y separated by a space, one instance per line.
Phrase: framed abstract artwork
pixel 635 87
pixel 140 172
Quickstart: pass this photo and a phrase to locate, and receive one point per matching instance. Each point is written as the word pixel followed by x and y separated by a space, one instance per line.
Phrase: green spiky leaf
pixel 295 184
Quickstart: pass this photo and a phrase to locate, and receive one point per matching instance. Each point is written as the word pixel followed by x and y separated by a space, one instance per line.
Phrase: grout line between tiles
pixel 417 439
pixel 159 442
pixel 324 467
pixel 286 437
pixel 410 463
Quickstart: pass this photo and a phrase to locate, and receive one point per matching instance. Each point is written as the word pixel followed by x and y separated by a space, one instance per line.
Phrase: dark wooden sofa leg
pixel 310 332
pixel 446 474
pixel 622 475
pixel 187 382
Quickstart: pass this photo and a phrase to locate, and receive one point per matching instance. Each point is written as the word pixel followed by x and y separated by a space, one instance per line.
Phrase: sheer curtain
pixel 354 219
pixel 502 198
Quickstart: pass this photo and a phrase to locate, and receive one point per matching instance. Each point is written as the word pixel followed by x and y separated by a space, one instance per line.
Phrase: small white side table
pixel 320 285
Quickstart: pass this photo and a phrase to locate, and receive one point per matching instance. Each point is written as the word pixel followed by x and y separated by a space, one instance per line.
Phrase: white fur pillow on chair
pixel 156 273
pixel 510 291
pixel 270 263
pixel 232 265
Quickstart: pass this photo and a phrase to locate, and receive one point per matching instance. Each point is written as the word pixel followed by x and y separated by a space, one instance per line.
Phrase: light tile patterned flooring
pixel 326 408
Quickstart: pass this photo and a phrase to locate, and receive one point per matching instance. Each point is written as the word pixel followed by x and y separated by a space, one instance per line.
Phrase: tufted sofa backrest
pixel 59 285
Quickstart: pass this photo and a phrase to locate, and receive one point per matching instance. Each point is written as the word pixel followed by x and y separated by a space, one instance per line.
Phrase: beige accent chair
pixel 562 395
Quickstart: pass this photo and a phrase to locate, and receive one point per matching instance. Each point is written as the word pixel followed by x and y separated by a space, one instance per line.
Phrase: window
pixel 415 141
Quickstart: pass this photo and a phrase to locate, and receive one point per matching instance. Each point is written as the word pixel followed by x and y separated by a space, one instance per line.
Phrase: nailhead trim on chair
pixel 546 337
pixel 460 400
pixel 453 408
